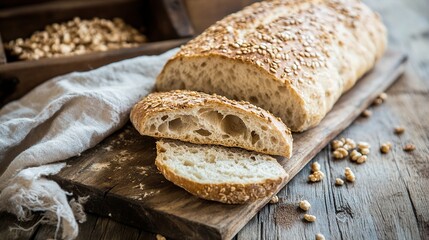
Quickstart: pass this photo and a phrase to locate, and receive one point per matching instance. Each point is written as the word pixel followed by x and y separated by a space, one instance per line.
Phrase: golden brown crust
pixel 167 102
pixel 231 193
pixel 316 48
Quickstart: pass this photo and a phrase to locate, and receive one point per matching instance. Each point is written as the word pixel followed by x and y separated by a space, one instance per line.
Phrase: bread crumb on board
pixel 309 218
pixel 350 176
pixel 274 199
pixel 409 147
pixel 320 236
pixel 304 205
pixel 339 182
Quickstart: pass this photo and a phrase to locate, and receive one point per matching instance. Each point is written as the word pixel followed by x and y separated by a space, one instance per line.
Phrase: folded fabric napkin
pixel 60 119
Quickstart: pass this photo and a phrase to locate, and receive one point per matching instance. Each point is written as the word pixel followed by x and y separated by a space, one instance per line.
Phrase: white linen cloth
pixel 60 119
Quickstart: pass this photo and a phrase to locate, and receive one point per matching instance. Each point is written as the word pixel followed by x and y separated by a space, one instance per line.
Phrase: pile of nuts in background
pixel 76 37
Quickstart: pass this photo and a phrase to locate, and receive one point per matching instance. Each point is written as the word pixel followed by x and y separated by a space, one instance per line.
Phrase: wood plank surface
pixel 120 176
pixel 390 198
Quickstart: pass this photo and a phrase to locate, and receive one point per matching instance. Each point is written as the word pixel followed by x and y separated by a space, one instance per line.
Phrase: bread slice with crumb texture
pixel 227 175
pixel 211 119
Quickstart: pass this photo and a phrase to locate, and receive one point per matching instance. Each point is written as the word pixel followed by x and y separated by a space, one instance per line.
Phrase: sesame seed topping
pixel 294 42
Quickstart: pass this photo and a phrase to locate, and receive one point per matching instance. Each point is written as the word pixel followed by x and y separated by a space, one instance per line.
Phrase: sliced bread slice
pixel 211 119
pixel 227 175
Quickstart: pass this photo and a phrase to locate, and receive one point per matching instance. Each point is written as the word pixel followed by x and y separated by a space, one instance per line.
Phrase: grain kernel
pixel 339 182
pixel 320 236
pixel 362 145
pixel 364 151
pixel 347 147
pixel 337 144
pixel 160 237
pixel 309 218
pixel 274 199
pixel 383 96
pixel 385 147
pixel 315 167
pixel 304 205
pixel 367 113
pixel 350 176
pixel 340 153
pixel 362 159
pixel 351 143
pixel 378 101
pixel 354 155
pixel 409 148
pixel 399 130
pixel 316 176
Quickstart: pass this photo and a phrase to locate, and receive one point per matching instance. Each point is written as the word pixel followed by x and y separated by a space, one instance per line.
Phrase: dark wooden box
pixel 164 22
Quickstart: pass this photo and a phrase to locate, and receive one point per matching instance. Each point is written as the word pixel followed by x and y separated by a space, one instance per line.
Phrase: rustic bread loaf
pixel 293 58
pixel 228 175
pixel 211 119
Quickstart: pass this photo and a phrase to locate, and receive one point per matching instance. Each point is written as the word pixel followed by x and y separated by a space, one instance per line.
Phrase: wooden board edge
pixel 107 206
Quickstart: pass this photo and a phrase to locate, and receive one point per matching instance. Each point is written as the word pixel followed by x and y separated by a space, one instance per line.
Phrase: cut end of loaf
pixel 209 119
pixel 222 76
pixel 227 175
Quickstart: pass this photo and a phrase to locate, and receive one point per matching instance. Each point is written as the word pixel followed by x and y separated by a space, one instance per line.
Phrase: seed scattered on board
pixel 304 205
pixel 339 182
pixel 320 236
pixel 309 218
pixel 409 148
pixel 274 199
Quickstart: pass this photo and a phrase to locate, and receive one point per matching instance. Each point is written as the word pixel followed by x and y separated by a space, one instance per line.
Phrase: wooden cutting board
pixel 123 183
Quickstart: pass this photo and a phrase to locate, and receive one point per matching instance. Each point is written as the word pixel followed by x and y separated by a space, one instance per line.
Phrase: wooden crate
pixel 164 22
pixel 203 13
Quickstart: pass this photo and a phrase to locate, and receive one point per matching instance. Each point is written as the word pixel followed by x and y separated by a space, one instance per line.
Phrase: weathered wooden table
pixel 390 198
